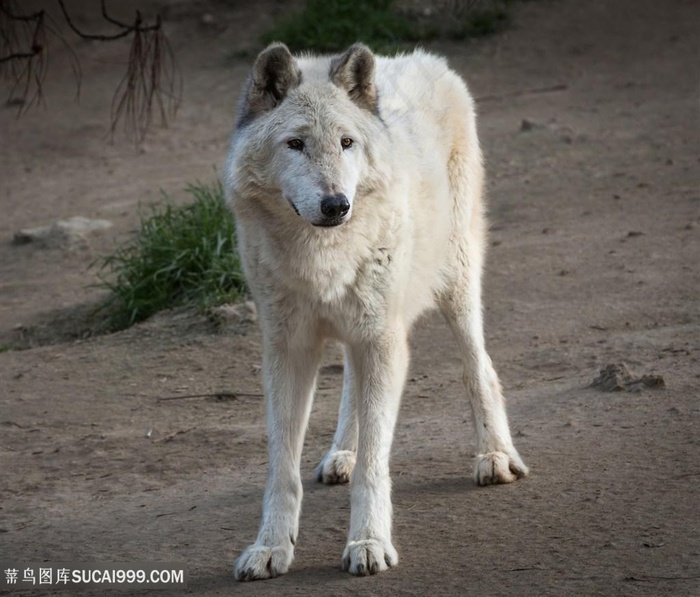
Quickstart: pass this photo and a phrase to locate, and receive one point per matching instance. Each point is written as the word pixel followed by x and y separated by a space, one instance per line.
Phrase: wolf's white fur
pixel 413 239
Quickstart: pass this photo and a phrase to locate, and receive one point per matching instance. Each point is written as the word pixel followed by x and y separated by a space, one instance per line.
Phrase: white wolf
pixel 356 181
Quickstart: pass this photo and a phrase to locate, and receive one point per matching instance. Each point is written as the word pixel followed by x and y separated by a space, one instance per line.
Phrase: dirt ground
pixel 595 211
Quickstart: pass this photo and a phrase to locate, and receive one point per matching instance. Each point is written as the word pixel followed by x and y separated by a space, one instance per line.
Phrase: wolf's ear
pixel 353 71
pixel 275 73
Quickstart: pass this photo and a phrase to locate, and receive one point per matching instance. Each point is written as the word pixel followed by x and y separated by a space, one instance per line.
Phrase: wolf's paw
pixel 336 467
pixel 499 467
pixel 369 557
pixel 259 562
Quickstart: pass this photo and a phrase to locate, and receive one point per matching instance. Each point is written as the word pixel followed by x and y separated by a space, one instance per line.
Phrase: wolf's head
pixel 303 140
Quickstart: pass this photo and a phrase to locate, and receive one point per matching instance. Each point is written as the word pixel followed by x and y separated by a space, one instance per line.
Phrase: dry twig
pixel 219 396
pixel 152 80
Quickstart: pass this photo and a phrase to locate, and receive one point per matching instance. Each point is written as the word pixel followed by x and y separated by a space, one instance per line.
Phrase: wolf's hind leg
pixel 497 460
pixel 339 461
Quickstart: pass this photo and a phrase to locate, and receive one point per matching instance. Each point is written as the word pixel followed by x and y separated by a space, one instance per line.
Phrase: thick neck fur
pixel 319 263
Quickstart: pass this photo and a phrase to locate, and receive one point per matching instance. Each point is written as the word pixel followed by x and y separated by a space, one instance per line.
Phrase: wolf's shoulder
pixel 417 80
pixel 417 62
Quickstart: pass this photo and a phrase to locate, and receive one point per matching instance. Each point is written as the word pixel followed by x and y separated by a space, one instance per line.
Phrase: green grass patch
pixel 333 25
pixel 182 255
pixel 481 22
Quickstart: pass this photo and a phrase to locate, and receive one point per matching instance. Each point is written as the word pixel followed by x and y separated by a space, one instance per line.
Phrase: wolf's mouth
pixel 330 223
pixel 326 222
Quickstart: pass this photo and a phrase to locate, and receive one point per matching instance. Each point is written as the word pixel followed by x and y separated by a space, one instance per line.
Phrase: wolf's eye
pixel 297 144
pixel 346 142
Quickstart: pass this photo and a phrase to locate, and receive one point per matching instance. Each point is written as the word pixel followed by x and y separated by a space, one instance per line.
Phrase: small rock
pixel 653 544
pixel 634 387
pixel 617 378
pixel 612 378
pixel 634 233
pixel 528 125
pixel 234 314
pixel 62 234
pixel 653 381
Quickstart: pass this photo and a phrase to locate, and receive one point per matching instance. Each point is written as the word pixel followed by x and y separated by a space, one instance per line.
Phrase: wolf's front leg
pixel 380 371
pixel 290 364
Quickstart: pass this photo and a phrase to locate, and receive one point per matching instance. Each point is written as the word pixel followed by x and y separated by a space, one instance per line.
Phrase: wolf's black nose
pixel 335 206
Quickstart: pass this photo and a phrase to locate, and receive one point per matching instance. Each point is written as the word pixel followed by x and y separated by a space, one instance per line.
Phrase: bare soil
pixel 595 211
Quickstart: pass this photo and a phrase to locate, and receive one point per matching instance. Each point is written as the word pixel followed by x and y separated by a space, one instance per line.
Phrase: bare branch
pixel 126 29
pixel 109 19
pixel 152 77
pixel 25 58
pixel 18 56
